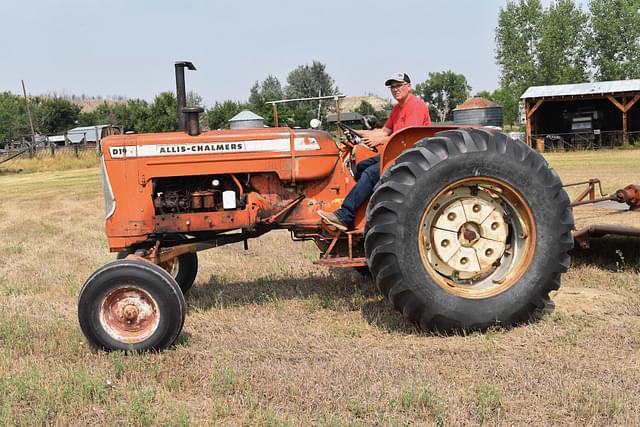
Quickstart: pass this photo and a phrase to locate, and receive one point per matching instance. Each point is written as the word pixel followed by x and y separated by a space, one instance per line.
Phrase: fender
pixel 399 141
pixel 407 138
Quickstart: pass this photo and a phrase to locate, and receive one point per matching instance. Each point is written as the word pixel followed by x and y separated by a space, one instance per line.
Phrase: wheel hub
pixel 468 234
pixel 129 314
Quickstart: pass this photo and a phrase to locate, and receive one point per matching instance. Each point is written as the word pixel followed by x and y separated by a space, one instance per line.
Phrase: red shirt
pixel 414 112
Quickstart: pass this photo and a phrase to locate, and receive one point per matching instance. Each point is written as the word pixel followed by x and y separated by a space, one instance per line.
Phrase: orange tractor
pixel 466 228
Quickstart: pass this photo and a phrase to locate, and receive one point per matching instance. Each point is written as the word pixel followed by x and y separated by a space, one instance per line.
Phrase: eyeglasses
pixel 396 87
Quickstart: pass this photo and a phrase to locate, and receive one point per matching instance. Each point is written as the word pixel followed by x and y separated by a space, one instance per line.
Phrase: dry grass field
pixel 271 339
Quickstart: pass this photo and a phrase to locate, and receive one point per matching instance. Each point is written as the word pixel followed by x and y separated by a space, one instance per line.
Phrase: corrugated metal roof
pixel 86 133
pixel 245 115
pixel 594 88
pixel 344 117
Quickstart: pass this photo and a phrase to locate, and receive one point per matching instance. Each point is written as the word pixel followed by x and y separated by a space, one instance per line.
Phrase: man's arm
pixel 375 137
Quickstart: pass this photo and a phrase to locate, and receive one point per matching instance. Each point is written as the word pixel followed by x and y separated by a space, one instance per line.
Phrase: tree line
pixel 559 44
pixel 55 115
pixel 563 44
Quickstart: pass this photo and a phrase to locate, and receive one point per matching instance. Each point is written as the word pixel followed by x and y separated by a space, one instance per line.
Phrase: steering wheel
pixel 353 138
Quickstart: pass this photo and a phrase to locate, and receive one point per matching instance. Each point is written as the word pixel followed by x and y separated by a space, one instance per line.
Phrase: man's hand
pixel 375 137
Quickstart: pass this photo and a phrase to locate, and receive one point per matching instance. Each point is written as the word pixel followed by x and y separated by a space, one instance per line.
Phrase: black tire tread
pixel 92 283
pixel 387 203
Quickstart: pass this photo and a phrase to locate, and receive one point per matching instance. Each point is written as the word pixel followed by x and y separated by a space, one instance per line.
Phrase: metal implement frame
pixel 629 195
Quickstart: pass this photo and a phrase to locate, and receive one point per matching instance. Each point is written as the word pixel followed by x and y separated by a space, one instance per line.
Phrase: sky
pixel 128 47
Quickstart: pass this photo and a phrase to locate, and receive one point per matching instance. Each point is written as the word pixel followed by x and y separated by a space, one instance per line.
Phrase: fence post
pixel 75 148
pixel 53 150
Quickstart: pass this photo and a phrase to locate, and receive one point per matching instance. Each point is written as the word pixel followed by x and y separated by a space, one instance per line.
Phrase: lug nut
pixel 494 226
pixel 476 208
pixel 463 261
pixel 445 243
pixel 488 252
pixel 451 216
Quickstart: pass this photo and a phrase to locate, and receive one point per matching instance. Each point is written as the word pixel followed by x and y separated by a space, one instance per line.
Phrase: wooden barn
pixel 582 116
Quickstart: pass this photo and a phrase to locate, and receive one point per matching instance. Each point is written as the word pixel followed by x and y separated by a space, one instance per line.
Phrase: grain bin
pixel 245 120
pixel 478 111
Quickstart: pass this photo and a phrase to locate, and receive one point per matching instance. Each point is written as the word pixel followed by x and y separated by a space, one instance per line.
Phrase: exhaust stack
pixel 181 93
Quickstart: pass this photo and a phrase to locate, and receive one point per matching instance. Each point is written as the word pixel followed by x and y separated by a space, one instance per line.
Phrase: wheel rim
pixel 129 314
pixel 477 237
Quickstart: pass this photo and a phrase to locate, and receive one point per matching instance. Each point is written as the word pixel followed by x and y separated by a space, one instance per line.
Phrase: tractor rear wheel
pixel 468 229
pixel 131 305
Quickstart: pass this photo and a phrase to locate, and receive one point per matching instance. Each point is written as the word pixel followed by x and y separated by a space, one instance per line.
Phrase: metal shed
pixel 584 115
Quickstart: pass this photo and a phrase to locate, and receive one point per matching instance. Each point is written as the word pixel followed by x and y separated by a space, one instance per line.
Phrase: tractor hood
pixel 295 155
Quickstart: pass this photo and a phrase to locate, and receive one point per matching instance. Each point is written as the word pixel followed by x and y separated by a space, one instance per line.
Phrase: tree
pixel 562 50
pixel 517 39
pixel 614 42
pixel 56 115
pixel 366 108
pixel 13 117
pixel 217 117
pixel 105 113
pixel 137 116
pixel 443 91
pixel 194 100
pixel 309 81
pixel 269 89
pixel 164 113
pixel 535 46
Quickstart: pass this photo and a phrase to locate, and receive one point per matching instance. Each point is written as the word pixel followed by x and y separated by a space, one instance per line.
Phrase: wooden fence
pixel 49 151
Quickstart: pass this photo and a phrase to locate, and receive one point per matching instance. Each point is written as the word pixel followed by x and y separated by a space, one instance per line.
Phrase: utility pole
pixel 33 132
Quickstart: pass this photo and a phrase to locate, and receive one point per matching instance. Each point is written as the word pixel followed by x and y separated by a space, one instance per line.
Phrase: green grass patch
pixel 14 291
pixel 24 401
pixel 569 339
pixel 424 401
pixel 16 335
pixel 594 405
pixel 62 162
pixel 224 379
pixel 137 409
pixel 12 249
pixel 82 388
pixel 54 184
pixel 486 402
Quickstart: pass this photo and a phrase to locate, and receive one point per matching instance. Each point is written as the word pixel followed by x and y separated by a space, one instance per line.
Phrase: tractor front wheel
pixel 183 268
pixel 131 305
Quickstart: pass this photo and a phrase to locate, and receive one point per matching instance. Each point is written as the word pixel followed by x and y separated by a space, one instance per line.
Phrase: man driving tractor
pixel 409 111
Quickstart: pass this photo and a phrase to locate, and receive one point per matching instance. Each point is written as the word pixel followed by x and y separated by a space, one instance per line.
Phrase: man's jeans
pixel 367 175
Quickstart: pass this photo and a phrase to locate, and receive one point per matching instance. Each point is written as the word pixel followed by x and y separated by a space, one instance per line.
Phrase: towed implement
pixel 466 229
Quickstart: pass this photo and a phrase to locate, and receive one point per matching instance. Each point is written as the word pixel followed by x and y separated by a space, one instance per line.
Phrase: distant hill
pixel 351 103
pixel 86 103
pixel 89 105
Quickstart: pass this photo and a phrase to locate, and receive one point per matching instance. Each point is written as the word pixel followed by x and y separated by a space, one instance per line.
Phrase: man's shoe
pixel 332 219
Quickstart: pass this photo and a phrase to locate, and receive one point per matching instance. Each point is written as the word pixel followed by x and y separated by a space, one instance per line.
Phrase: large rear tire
pixel 468 229
pixel 131 305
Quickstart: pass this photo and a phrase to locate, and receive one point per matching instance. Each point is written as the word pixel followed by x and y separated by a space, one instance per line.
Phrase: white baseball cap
pixel 397 77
